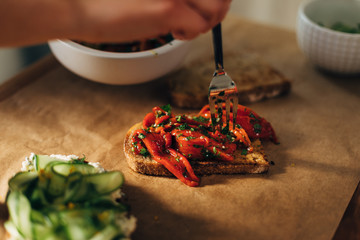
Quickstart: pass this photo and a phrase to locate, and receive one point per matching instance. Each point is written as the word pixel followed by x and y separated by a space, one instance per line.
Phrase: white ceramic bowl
pixel 119 68
pixel 329 49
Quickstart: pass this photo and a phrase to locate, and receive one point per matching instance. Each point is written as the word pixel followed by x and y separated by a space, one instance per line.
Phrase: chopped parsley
pixel 189 138
pixel 215 150
pixel 184 126
pixel 244 151
pixel 257 128
pixel 225 130
pixel 144 152
pixel 141 136
pixel 166 108
pixel 201 119
pixel 78 160
pixel 252 115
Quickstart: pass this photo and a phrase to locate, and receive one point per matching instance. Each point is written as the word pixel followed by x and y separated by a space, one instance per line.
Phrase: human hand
pixel 106 20
pixel 124 20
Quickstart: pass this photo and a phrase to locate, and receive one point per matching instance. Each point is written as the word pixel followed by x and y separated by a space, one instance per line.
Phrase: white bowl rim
pixel 121 55
pixel 329 30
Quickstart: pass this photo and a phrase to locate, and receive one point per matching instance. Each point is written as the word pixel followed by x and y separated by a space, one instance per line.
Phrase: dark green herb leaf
pixel 197 146
pixel 214 150
pixel 141 136
pixel 244 151
pixel 144 152
pixel 257 128
pixel 252 115
pixel 166 108
pixel 201 119
pixel 184 126
pixel 225 130
pixel 189 138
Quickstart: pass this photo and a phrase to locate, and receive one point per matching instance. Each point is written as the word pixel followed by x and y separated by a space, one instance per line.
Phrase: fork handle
pixel 217 44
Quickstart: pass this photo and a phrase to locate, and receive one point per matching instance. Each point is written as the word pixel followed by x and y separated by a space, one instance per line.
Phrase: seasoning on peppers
pixel 173 140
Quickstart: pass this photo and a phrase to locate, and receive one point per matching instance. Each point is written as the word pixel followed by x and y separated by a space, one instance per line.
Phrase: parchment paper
pixel 302 197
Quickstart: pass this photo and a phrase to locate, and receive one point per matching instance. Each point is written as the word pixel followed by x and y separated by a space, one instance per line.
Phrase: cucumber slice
pixel 53 184
pixel 56 185
pixel 78 223
pixel 19 210
pixel 42 160
pixel 12 230
pixel 93 186
pixel 65 169
pixel 74 186
pixel 105 182
pixel 22 180
pixel 38 198
pixel 43 232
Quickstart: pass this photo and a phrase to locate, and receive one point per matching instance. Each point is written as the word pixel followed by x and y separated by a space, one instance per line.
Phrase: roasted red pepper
pixel 254 125
pixel 172 140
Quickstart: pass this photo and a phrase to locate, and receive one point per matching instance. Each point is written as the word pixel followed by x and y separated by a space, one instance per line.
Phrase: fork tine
pixel 212 111
pixel 227 107
pixel 234 109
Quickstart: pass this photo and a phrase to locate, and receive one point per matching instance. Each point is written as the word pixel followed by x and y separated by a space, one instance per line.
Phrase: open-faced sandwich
pixel 185 146
pixel 66 197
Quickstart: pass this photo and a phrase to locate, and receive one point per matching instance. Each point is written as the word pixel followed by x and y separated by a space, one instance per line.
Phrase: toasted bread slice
pixel 255 80
pixel 254 162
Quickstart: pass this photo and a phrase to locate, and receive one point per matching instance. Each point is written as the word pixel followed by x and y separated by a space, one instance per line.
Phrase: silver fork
pixel 222 88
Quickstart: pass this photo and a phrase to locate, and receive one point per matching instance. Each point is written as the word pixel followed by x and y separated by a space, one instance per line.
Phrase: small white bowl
pixel 120 68
pixel 329 49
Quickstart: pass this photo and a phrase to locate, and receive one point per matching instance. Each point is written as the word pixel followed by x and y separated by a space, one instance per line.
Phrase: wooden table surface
pixel 305 194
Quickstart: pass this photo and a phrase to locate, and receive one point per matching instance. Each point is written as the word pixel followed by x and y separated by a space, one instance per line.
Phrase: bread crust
pixel 255 162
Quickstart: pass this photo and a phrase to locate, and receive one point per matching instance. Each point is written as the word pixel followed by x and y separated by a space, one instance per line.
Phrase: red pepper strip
pixel 257 128
pixel 158 110
pixel 254 125
pixel 168 139
pixel 161 119
pixel 160 129
pixel 189 177
pixel 194 143
pixel 137 142
pixel 242 136
pixel 175 162
pixel 205 111
pixel 149 120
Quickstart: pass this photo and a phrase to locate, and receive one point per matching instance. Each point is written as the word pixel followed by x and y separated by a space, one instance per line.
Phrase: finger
pixel 224 10
pixel 212 11
pixel 187 23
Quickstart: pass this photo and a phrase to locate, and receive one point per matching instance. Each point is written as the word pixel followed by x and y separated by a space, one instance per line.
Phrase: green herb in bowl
pixel 342 27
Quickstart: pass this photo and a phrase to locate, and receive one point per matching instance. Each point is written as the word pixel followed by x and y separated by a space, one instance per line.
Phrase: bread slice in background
pixel 255 79
pixel 255 162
